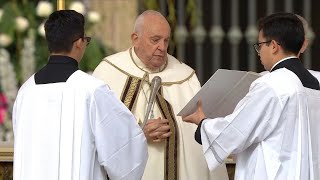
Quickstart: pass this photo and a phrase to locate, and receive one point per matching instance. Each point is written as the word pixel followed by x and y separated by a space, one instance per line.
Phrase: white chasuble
pixel 180 156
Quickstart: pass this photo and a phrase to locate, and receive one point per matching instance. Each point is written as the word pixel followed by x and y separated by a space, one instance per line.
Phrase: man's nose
pixel 162 46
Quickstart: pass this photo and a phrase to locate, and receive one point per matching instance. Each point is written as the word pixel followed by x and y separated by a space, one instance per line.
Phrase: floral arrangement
pixel 23 49
pixel 3 107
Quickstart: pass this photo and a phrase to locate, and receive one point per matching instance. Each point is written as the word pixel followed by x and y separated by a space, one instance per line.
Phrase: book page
pixel 221 93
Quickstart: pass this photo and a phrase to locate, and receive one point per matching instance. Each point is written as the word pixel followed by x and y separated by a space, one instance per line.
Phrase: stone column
pixel 199 35
pixel 251 35
pixel 234 34
pixel 216 34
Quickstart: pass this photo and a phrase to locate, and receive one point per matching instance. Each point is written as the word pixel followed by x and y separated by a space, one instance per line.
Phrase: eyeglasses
pixel 257 46
pixel 87 38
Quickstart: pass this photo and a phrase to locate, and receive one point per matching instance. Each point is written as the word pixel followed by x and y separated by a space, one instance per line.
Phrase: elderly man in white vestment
pixel 172 153
pixel 69 125
pixel 270 131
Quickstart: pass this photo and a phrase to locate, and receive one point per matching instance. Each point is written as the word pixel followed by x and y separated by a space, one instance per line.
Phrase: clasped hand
pixel 156 130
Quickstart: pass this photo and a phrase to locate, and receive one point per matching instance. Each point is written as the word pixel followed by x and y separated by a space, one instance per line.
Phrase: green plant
pixel 23 45
pixel 191 14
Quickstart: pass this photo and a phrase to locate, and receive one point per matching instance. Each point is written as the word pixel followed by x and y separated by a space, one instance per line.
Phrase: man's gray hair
pixel 304 23
pixel 138 25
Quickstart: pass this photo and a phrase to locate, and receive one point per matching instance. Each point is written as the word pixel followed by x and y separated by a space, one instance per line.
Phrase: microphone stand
pixel 155 86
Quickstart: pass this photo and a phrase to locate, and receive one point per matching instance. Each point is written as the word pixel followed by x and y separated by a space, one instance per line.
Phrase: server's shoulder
pixel 86 81
pixel 281 80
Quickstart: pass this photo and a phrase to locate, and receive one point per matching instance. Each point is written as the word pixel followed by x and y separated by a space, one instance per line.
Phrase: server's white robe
pixel 179 84
pixel 75 130
pixel 273 131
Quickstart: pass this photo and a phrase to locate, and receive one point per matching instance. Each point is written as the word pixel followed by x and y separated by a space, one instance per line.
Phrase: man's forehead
pixel 260 35
pixel 156 33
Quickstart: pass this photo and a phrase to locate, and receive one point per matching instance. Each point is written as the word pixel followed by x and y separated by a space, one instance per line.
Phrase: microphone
pixel 155 86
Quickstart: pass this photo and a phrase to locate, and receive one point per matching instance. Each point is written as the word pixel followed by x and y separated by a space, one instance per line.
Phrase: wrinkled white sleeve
pixel 120 142
pixel 253 119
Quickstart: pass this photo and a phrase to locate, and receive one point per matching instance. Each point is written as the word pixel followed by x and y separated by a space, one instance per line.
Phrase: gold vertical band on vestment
pixel 130 92
pixel 171 143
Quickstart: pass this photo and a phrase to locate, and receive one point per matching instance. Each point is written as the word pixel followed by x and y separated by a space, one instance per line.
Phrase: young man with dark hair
pixel 69 125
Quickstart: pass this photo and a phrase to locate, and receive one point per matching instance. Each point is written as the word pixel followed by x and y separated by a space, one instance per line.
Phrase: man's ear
pixel 134 38
pixel 274 46
pixel 78 43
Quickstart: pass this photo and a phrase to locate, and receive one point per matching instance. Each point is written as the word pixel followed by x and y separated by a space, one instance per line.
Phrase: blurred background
pixel 206 35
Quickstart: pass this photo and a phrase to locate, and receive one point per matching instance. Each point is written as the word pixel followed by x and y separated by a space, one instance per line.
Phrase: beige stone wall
pixel 118 18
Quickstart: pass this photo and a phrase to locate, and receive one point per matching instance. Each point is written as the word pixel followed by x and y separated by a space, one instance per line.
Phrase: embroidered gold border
pixel 162 83
pixel 178 82
pixel 171 143
pixel 124 72
pixel 130 92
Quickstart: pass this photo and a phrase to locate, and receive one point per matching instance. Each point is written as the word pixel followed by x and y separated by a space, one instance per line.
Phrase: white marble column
pixel 180 32
pixel 234 34
pixel 270 7
pixel 216 34
pixel 251 35
pixel 288 6
pixel 199 34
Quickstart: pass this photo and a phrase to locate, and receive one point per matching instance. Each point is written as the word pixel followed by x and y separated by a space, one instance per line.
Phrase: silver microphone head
pixel 155 86
pixel 155 83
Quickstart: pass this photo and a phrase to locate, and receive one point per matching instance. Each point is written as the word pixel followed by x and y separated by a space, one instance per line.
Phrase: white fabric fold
pixel 75 130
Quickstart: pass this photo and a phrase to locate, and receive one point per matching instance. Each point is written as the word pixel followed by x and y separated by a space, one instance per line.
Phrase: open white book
pixel 221 93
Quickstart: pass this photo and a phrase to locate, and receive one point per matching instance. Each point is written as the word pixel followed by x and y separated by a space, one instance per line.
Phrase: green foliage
pixel 41 52
pixel 11 10
pixel 27 8
pixel 191 14
pixel 8 19
pixel 93 55
pixel 151 4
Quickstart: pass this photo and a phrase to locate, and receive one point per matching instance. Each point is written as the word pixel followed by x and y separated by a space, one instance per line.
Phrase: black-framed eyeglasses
pixel 257 46
pixel 87 38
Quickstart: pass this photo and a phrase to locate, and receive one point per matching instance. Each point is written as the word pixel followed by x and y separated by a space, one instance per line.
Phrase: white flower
pixel 5 40
pixel 44 8
pixel 27 56
pixel 1 13
pixel 77 6
pixel 94 16
pixel 22 23
pixel 8 78
pixel 41 30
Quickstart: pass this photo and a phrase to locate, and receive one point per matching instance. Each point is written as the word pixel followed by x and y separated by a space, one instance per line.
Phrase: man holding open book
pixel 272 129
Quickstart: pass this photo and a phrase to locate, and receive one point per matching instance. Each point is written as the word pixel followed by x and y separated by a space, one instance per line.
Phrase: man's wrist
pixel 202 119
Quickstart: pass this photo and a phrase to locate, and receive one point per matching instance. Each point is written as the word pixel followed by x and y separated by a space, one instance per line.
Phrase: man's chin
pixel 158 62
